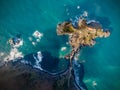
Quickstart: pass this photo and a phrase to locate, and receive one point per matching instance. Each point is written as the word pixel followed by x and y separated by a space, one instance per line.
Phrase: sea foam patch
pixel 20 44
pixel 1 54
pixel 13 55
pixel 78 7
pixel 63 48
pixel 25 62
pixel 76 57
pixel 38 60
pixel 34 60
pixel 62 52
pixel 37 34
pixel 36 37
pixel 90 21
pixel 85 14
pixel 30 38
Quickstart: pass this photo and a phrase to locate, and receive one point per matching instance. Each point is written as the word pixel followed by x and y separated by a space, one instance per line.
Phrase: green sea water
pixel 102 61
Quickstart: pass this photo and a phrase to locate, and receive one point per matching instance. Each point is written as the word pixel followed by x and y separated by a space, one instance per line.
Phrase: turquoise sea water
pixel 25 16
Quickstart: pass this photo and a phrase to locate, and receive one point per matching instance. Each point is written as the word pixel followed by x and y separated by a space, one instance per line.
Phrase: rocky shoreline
pixel 14 70
pixel 64 74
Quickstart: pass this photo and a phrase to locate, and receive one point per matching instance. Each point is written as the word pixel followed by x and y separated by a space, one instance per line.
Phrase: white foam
pixel 39 56
pixel 1 54
pixel 77 79
pixel 63 48
pixel 33 43
pixel 90 21
pixel 18 45
pixel 14 54
pixel 38 60
pixel 30 38
pixel 76 56
pixel 25 62
pixel 78 7
pixel 38 40
pixel 38 67
pixel 94 83
pixel 85 14
pixel 67 43
pixel 37 34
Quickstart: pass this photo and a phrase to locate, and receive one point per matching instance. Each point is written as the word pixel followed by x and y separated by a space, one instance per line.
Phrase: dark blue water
pixel 26 16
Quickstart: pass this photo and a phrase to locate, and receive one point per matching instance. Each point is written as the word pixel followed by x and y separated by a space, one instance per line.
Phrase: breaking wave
pixel 36 37
pixel 38 60
pixel 35 60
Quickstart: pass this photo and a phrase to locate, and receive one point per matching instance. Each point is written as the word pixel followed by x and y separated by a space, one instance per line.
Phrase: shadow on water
pixel 78 74
pixel 104 21
pixel 49 62
pixel 30 58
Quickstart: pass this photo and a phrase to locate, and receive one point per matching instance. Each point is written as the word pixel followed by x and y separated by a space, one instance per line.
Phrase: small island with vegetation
pixel 84 34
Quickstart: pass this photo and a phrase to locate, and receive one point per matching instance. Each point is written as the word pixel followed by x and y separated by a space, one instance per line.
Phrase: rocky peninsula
pixel 83 34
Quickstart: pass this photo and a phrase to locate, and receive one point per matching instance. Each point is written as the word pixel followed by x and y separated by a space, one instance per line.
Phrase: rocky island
pixel 84 34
